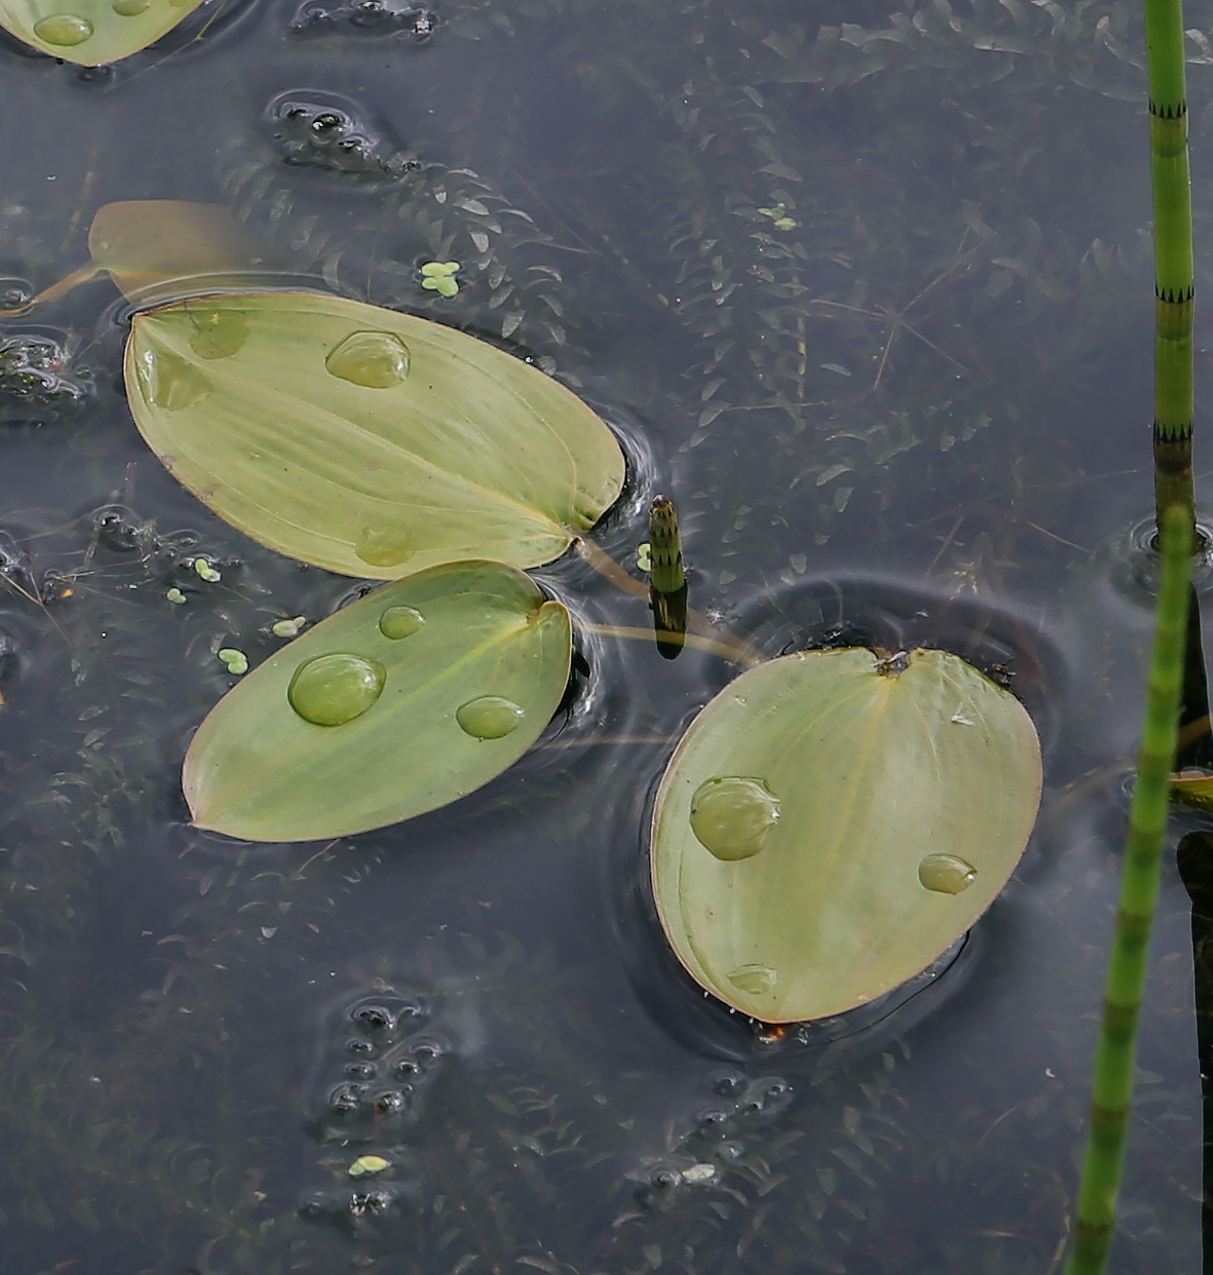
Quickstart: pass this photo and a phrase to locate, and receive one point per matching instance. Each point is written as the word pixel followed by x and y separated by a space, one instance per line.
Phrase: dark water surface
pixel 874 307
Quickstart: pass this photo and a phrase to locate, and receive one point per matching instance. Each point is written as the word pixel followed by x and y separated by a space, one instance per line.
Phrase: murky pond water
pixel 866 289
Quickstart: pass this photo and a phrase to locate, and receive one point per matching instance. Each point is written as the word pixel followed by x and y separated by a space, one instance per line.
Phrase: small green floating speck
pixel 644 557
pixel 63 29
pixel 288 628
pixel 331 690
pixel 206 571
pixel 439 276
pixel 236 661
pixel 176 597
pixel 400 622
pixel 489 717
pixel 368 1164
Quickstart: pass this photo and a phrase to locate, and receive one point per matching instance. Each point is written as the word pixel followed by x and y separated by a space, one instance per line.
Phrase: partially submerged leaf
pixel 145 243
pixel 1193 788
pixel 826 829
pixel 366 441
pixel 402 702
pixel 92 32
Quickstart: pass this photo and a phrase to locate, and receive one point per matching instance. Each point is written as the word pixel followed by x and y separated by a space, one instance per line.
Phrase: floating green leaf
pixel 366 441
pixel 92 32
pixel 831 823
pixel 365 720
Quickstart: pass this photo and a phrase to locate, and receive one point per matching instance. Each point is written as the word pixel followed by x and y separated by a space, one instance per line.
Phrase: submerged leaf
pixel 366 441
pixel 366 720
pixel 830 824
pixel 92 32
pixel 145 243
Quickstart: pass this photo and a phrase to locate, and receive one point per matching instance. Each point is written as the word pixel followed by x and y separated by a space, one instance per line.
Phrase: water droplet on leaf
pixel 400 622
pixel 333 689
pixel 217 333
pixel 754 979
pixel 490 716
pixel 946 873
pixel 168 381
pixel 130 8
pixel 377 360
pixel 384 548
pixel 63 29
pixel 732 815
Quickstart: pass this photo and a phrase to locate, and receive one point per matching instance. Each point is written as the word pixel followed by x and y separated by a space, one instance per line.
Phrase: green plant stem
pixel 1112 1086
pixel 667 580
pixel 1174 409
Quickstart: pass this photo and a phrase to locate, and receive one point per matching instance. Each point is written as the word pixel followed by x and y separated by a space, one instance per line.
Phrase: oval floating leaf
pixel 828 826
pixel 92 32
pixel 365 720
pixel 144 244
pixel 366 441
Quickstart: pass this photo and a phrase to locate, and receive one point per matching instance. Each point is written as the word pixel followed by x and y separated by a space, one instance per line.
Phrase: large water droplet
pixel 377 360
pixel 130 8
pixel 63 29
pixel 490 716
pixel 732 815
pixel 383 548
pixel 946 873
pixel 754 979
pixel 168 381
pixel 400 622
pixel 217 333
pixel 333 689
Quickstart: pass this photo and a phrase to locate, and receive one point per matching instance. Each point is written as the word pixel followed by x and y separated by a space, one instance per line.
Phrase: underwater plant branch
pixel 1112 1085
pixel 606 566
pixel 728 648
pixel 1174 403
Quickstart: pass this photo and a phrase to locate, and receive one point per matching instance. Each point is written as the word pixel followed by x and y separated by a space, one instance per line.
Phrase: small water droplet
pixel 946 873
pixel 130 8
pixel 400 622
pixel 168 381
pixel 333 689
pixel 732 815
pixel 754 979
pixel 217 334
pixel 377 360
pixel 382 548
pixel 63 29
pixel 490 716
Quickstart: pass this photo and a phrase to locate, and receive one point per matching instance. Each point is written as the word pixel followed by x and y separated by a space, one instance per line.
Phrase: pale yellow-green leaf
pixel 366 441
pixel 449 677
pixel 92 32
pixel 859 821
pixel 1194 788
pixel 153 246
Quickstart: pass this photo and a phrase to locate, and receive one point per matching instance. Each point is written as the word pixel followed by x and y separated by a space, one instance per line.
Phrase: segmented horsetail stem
pixel 665 542
pixel 1112 1085
pixel 1174 404
pixel 667 581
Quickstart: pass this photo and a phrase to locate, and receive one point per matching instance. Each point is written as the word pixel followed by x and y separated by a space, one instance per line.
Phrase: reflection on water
pixel 866 289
